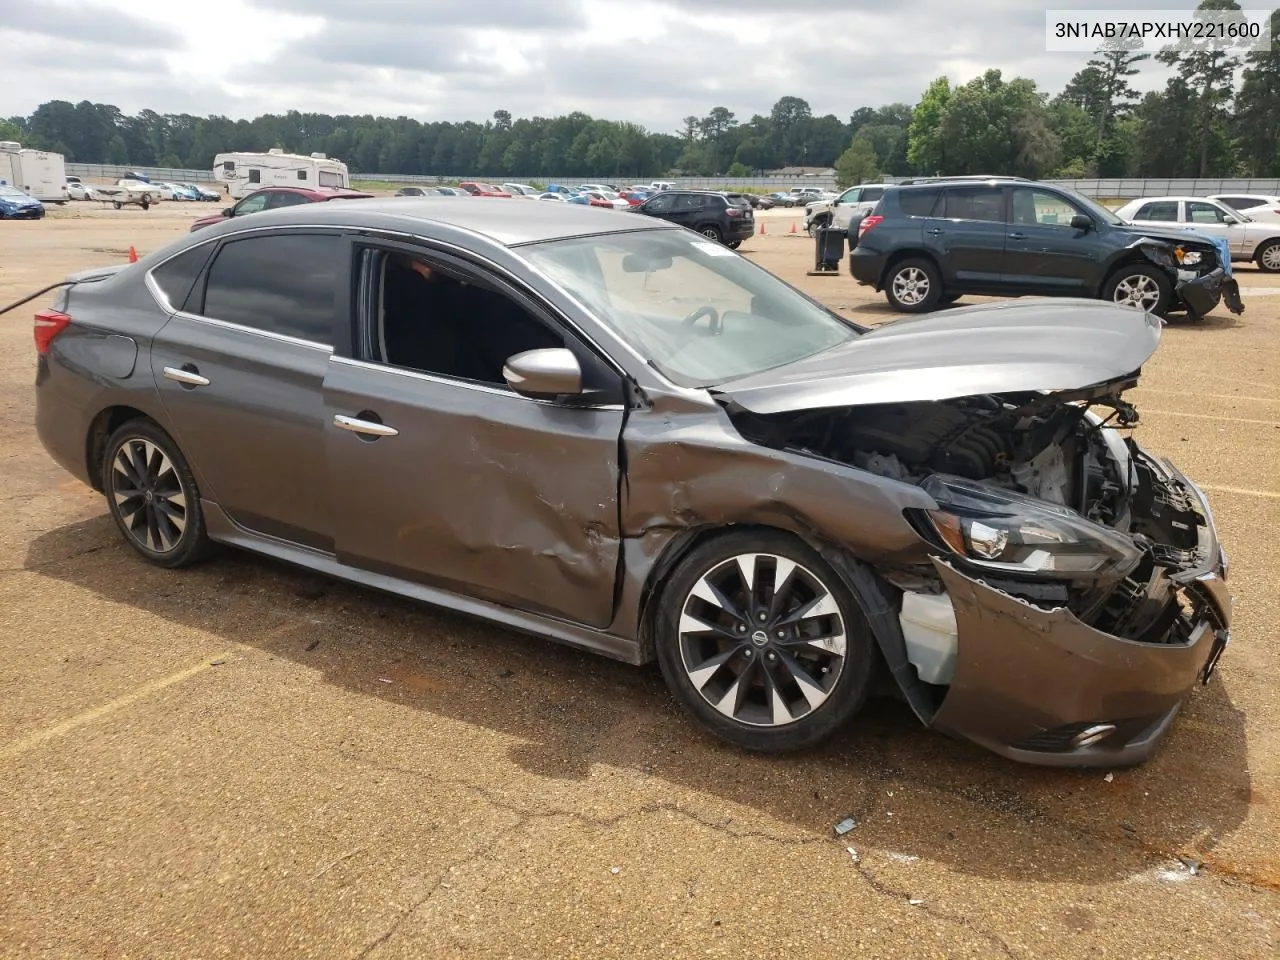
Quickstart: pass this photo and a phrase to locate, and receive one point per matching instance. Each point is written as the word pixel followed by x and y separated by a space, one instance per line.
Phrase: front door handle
pixel 187 376
pixel 1017 236
pixel 364 427
pixel 934 232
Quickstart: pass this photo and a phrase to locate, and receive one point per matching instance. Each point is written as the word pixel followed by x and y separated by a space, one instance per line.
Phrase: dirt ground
pixel 245 760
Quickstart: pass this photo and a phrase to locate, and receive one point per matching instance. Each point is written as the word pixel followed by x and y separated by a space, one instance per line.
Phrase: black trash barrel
pixel 828 248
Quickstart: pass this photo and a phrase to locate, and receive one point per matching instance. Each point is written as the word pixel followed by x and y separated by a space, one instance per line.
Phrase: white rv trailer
pixel 244 173
pixel 36 173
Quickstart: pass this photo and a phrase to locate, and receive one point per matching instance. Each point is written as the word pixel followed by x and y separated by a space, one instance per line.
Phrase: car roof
pixel 509 224
pixel 1160 199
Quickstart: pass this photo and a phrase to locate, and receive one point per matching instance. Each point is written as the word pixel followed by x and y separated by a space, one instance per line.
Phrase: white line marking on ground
pixel 1243 491
pixel 1213 416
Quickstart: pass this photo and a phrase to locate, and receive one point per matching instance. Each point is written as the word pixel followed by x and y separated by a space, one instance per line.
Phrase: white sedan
pixel 76 190
pixel 1256 206
pixel 1249 239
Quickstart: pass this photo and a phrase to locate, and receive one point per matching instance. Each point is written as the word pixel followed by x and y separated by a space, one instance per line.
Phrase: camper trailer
pixel 244 173
pixel 35 172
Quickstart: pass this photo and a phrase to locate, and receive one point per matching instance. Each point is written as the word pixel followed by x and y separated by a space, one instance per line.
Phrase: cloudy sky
pixel 649 61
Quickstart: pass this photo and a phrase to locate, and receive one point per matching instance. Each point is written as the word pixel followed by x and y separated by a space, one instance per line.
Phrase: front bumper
pixel 1040 686
pixel 1202 294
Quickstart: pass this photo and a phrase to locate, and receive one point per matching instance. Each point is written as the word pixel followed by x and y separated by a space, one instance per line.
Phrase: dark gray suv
pixel 930 242
pixel 609 431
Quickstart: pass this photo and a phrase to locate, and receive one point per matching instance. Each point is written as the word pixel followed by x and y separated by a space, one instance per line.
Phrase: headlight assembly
pixel 1188 258
pixel 1007 532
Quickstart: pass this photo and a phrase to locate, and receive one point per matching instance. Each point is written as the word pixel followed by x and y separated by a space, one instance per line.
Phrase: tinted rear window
pixel 279 284
pixel 918 203
pixel 177 276
pixel 975 203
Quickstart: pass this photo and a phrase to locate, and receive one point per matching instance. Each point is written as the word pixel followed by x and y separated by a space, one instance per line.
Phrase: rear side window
pixel 175 277
pixel 1242 203
pixel 279 284
pixel 918 203
pixel 974 203
pixel 1158 210
pixel 872 193
pixel 690 201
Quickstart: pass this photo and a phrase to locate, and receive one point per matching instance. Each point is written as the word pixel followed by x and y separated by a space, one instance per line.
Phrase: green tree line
pixel 1218 115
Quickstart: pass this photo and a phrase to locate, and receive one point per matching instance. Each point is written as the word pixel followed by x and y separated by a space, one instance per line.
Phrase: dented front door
pixel 474 489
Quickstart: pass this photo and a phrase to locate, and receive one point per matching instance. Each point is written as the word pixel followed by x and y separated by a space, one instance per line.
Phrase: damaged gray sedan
pixel 613 433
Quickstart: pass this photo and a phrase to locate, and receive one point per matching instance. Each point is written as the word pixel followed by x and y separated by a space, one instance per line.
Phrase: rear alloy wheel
pixel 817 224
pixel 1140 286
pixel 153 496
pixel 712 232
pixel 1268 257
pixel 762 642
pixel 734 245
pixel 913 286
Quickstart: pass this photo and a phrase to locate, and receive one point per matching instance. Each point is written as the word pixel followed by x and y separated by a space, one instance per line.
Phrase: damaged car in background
pixel 931 241
pixel 657 450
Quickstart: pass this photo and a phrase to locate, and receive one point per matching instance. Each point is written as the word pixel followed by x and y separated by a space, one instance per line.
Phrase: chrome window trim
pixel 279 337
pixel 465 384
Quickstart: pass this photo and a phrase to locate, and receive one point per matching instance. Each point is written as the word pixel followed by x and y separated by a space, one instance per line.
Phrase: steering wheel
pixel 707 311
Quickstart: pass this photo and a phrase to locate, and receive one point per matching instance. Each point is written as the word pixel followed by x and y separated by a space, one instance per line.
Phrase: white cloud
pixel 648 61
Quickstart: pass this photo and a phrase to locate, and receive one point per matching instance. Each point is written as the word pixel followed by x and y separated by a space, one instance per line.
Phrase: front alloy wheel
pixel 767 647
pixel 1138 291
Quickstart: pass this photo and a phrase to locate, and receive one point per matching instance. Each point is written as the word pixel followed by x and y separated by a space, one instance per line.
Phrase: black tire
pixel 117 204
pixel 949 298
pixel 167 504
pixel 734 245
pixel 711 232
pixel 817 223
pixel 1140 278
pixel 1267 257
pixel 765 718
pixel 913 286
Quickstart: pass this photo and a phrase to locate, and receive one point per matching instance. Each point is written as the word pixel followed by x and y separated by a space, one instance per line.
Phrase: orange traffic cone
pixel 762 229
pixel 133 255
pixel 793 226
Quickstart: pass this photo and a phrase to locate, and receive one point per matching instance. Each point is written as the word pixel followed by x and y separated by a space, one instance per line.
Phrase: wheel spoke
pixel 813 694
pixel 702 674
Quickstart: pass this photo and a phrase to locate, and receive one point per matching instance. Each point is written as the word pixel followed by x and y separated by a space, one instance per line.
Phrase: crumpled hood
pixel 1032 344
pixel 1174 234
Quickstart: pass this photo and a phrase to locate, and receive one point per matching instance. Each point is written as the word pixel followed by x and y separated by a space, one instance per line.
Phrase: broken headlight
pixel 1005 531
pixel 1187 258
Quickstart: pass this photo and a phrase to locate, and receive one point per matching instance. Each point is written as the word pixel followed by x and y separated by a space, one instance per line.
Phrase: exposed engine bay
pixel 1057 450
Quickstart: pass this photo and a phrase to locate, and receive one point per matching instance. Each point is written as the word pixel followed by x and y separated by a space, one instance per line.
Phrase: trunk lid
pixel 1045 345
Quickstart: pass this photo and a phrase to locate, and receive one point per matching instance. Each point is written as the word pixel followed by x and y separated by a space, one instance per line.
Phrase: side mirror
pixel 544 374
pixel 229 212
pixel 1230 221
pixel 1081 222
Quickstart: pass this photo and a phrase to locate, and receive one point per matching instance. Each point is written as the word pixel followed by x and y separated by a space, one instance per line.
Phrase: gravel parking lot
pixel 244 760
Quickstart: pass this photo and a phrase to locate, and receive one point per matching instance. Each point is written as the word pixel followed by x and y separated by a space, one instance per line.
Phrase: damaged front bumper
pixel 1040 686
pixel 1202 294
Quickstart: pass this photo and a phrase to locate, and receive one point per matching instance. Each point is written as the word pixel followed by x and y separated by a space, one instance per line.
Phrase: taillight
pixel 868 222
pixel 49 323
pixel 734 212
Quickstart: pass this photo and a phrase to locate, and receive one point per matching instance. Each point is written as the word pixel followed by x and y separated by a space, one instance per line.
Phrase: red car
pixel 483 189
pixel 633 197
pixel 272 198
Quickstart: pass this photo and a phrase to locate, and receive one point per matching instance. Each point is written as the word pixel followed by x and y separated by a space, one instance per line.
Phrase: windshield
pixel 8 191
pixel 701 314
pixel 1092 207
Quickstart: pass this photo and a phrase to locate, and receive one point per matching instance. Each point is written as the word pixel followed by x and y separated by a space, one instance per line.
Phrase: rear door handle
pixel 1017 236
pixel 365 427
pixel 186 377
